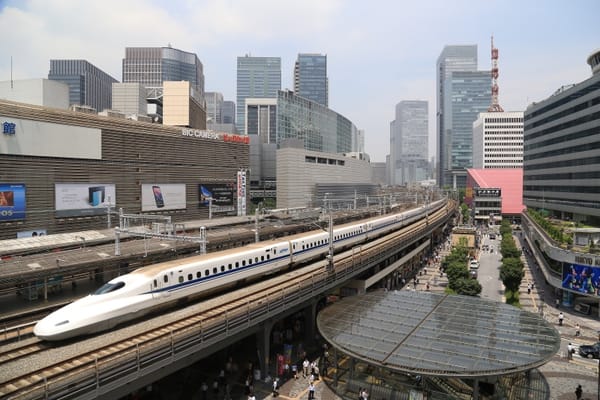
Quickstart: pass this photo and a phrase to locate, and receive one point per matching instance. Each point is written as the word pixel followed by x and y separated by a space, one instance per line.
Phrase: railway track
pixel 233 311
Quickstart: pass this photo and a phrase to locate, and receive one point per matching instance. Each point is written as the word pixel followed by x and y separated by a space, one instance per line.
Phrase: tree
pixel 468 287
pixel 455 271
pixel 512 273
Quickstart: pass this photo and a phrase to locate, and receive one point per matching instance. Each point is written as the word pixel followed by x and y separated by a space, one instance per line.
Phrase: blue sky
pixel 378 52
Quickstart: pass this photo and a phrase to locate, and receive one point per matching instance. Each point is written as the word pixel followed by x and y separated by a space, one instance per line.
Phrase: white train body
pixel 135 294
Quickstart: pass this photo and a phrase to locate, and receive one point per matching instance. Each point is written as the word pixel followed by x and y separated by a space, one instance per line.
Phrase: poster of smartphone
pixel 158 197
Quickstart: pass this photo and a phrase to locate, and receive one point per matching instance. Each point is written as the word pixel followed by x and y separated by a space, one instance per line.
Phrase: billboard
pixel 12 201
pixel 241 193
pixel 83 199
pixel 163 196
pixel 222 195
pixel 581 278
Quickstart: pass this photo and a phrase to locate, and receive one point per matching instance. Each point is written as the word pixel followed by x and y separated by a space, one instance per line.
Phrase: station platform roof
pixel 437 334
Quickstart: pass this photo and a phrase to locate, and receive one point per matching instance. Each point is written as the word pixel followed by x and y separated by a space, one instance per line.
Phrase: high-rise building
pixel 88 85
pixel 310 78
pixel 257 77
pixel 561 168
pixel 152 66
pixel 452 58
pixel 462 93
pixel 498 140
pixel 214 106
pixel 409 137
pixel 228 112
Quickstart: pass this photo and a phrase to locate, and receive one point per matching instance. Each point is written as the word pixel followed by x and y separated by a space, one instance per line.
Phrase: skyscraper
pixel 228 112
pixel 310 78
pixel 88 85
pixel 462 93
pixel 498 140
pixel 257 77
pixel 409 138
pixel 152 66
pixel 214 105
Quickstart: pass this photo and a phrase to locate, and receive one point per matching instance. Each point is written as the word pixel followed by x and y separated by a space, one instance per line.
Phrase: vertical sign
pixel 241 193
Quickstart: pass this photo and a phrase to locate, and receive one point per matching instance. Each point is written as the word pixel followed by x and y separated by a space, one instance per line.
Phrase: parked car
pixel 590 350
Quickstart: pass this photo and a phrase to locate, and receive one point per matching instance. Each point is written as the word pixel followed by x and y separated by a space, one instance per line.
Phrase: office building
pixel 462 93
pixel 182 105
pixel 88 85
pixel 151 66
pixel 409 138
pixel 310 78
pixel 129 98
pixel 561 159
pixel 214 105
pixel 228 112
pixel 257 77
pixel 498 140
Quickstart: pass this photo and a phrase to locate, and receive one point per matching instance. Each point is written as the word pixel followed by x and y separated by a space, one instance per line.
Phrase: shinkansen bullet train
pixel 148 288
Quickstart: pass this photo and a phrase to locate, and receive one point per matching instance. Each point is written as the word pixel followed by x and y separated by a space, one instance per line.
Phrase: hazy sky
pixel 378 52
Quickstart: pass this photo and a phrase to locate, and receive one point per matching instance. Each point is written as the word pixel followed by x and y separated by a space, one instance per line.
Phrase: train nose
pixel 51 328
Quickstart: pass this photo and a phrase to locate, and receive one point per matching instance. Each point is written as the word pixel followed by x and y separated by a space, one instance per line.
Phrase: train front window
pixel 109 287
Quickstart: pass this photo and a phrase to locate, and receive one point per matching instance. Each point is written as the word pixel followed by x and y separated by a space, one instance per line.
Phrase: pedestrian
pixel 204 390
pixel 578 392
pixel 570 351
pixel 577 330
pixel 529 288
pixel 251 396
pixel 305 365
pixel 295 371
pixel 216 388
pixel 560 318
pixel 275 387
pixel 557 302
pixel 311 391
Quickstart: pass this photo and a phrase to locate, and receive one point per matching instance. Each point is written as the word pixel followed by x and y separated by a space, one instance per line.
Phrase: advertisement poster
pixel 163 196
pixel 28 234
pixel 12 201
pixel 222 195
pixel 241 193
pixel 581 278
pixel 82 199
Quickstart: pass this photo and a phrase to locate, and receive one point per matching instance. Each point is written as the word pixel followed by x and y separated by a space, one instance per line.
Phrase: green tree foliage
pixel 512 273
pixel 468 287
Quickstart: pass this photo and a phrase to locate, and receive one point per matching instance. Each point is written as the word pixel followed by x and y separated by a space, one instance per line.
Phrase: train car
pixel 157 286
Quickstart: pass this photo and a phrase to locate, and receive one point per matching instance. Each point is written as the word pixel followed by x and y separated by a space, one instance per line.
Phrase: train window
pixel 190 277
pixel 198 274
pixel 243 263
pixel 230 266
pixel 222 268
pixel 262 258
pixel 214 270
pixel 109 287
pixel 302 247
pixel 255 259
pixel 274 251
pixel 180 279
pixel 166 278
pixel 237 264
pixel 206 272
pixel 155 283
pixel 268 257
pixel 249 261
pixel 294 246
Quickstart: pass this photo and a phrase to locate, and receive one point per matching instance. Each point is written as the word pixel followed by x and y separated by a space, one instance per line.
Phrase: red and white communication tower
pixel 495 106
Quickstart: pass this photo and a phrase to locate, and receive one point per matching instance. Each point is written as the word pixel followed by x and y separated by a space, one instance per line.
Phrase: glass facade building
pixel 310 78
pixel 452 58
pixel 561 160
pixel 214 105
pixel 151 66
pixel 257 77
pixel 88 85
pixel 409 138
pixel 320 128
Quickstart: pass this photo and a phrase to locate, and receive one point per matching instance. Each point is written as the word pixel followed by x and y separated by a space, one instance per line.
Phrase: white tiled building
pixel 498 140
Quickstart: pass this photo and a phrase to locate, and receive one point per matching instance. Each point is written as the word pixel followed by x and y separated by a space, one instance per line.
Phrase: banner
pixel 241 193
pixel 164 196
pixel 12 201
pixel 222 195
pixel 82 199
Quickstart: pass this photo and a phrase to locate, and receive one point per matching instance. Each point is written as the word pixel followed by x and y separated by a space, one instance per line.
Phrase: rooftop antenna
pixel 495 106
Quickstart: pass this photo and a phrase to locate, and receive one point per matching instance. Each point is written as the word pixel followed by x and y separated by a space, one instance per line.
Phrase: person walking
pixel 578 392
pixel 560 318
pixel 577 330
pixel 569 351
pixel 311 391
